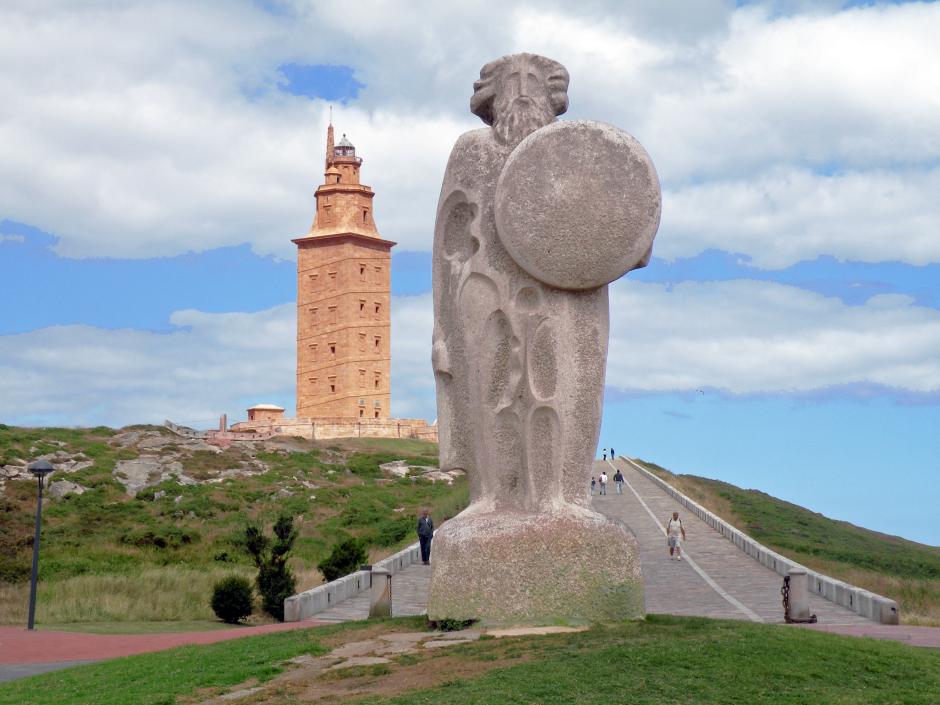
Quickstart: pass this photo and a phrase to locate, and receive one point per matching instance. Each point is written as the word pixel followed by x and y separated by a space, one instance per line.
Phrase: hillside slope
pixel 141 500
pixel 906 571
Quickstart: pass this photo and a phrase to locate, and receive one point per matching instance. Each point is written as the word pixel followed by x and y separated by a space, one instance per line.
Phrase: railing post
pixel 380 594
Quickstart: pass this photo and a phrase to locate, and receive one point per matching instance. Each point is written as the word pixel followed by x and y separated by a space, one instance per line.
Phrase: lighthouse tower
pixel 343 297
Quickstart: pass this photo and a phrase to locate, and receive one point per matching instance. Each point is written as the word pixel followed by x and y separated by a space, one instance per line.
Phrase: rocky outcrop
pixel 401 468
pixel 147 471
pixel 59 489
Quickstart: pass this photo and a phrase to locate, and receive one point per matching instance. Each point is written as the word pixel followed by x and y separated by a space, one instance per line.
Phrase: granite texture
pixel 522 259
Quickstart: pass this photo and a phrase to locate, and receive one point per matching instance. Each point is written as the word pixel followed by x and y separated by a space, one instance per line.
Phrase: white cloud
pixel 788 215
pixel 748 337
pixel 212 364
pixel 129 130
pixel 739 336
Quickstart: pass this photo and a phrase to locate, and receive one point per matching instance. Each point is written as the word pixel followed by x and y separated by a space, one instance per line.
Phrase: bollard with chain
pixel 798 611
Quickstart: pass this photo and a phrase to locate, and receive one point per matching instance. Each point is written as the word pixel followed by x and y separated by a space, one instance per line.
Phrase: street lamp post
pixel 40 469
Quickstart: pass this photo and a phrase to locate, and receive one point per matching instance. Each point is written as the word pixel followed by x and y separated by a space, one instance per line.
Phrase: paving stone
pixel 465 634
pixel 359 661
pixel 395 648
pixel 530 631
pixel 406 636
pixel 239 694
pixel 446 642
pixel 356 648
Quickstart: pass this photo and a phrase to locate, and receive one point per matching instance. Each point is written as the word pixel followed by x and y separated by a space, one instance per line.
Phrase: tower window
pixel 327 214
pixel 362 342
pixel 313 349
pixel 332 314
pixel 362 306
pixel 378 275
pixel 332 279
pixel 315 315
pixel 362 379
pixel 362 271
pixel 378 341
pixel 332 350
pixel 362 412
pixel 378 379
pixel 378 307
pixel 365 216
pixel 376 413
pixel 332 385
pixel 313 385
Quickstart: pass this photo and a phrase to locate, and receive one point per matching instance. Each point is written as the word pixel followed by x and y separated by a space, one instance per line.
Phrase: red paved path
pixel 19 646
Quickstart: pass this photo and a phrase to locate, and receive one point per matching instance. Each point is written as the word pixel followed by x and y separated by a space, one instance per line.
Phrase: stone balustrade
pixel 310 602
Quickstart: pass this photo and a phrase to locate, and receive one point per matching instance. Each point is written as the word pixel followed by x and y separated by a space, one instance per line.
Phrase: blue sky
pixel 146 212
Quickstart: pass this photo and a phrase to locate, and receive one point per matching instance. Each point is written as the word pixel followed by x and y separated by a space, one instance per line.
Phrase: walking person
pixel 618 481
pixel 593 484
pixel 425 534
pixel 603 480
pixel 605 454
pixel 675 535
pixel 613 455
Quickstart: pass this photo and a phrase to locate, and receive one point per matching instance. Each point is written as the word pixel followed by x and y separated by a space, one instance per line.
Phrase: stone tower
pixel 343 292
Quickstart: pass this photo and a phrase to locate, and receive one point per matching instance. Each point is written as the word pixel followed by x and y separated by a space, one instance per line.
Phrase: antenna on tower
pixel 329 140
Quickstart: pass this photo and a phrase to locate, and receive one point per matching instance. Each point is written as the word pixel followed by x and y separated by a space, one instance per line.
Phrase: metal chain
pixel 785 591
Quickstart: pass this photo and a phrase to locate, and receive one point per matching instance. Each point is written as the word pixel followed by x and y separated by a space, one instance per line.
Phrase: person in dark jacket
pixel 425 534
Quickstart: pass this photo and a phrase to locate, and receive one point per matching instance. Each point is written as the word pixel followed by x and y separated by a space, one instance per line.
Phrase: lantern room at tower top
pixel 343 315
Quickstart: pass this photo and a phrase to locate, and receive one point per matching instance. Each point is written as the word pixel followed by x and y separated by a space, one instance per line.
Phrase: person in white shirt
pixel 603 481
pixel 675 535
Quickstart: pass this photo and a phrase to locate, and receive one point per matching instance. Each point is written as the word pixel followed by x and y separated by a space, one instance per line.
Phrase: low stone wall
pixel 876 607
pixel 329 428
pixel 306 604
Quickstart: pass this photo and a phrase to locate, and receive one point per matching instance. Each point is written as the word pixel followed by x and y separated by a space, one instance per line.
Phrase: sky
pixel 158 157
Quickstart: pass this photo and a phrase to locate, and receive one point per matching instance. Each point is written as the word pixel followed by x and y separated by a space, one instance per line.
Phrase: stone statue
pixel 535 218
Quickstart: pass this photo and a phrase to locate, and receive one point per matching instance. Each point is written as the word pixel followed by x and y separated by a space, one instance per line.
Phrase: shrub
pixel 393 531
pixel 275 580
pixel 161 537
pixel 345 558
pixel 453 625
pixel 231 599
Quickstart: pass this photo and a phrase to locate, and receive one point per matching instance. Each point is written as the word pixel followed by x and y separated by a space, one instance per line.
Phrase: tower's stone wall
pixel 343 300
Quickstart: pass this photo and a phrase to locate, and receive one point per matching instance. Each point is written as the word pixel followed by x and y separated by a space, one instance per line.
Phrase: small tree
pixel 345 558
pixel 231 599
pixel 275 581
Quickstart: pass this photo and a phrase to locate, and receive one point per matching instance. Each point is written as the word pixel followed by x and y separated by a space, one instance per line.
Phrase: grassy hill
pixel 157 517
pixel 903 570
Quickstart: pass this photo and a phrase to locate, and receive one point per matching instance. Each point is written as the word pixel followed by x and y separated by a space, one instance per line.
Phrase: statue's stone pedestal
pixel 535 569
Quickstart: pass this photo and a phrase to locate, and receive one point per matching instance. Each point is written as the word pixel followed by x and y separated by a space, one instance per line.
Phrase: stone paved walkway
pixel 716 579
pixel 409 597
pixel 728 584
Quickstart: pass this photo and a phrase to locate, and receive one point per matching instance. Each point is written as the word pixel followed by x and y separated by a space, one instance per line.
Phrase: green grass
pixel 158 678
pixel 906 571
pixel 334 489
pixel 661 660
pixel 667 660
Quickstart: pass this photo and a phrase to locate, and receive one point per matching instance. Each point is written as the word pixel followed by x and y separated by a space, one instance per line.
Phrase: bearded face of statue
pixel 518 94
